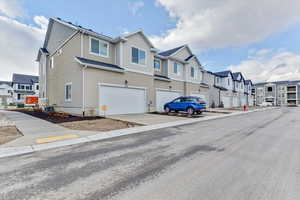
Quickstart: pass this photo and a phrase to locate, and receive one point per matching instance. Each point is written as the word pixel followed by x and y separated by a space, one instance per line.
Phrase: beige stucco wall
pixel 182 54
pixel 138 41
pixel 66 70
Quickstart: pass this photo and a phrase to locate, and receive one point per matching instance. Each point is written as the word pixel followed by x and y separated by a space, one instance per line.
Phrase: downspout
pixel 83 75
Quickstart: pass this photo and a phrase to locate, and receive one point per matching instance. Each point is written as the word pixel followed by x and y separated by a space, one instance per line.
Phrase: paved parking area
pixel 151 119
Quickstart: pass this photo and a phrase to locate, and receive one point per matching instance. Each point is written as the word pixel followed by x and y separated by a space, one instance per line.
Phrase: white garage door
pixel 202 96
pixel 121 100
pixel 163 97
pixel 235 102
pixel 226 101
pixel 244 101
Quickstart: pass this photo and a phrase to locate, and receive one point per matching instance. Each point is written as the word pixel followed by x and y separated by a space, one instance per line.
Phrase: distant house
pixel 6 93
pixel 24 85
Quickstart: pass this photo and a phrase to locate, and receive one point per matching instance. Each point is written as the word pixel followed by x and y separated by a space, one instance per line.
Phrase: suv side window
pixel 177 100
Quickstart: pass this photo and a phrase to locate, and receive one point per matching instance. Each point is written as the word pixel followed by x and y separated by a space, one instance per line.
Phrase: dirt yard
pixel 8 133
pixel 98 125
pixel 81 123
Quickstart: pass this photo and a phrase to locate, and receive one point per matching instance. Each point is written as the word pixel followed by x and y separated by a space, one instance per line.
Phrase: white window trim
pixel 90 47
pixel 68 100
pixel 160 63
pixel 146 55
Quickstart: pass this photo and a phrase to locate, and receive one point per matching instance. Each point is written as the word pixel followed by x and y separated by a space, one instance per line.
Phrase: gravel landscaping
pixel 8 131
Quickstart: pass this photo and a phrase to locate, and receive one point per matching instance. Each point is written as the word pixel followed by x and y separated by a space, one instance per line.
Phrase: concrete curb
pixel 14 151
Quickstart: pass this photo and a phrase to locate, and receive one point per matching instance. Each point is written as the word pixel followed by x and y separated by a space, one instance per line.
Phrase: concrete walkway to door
pixel 34 128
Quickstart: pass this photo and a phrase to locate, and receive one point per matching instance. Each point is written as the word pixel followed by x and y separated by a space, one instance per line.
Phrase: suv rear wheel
pixel 167 109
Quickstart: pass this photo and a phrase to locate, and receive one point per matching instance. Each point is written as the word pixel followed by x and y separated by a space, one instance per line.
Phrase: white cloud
pixel 135 6
pixel 12 8
pixel 270 66
pixel 19 45
pixel 206 24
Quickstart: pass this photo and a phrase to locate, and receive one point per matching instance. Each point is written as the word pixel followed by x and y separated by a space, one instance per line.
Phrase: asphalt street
pixel 254 156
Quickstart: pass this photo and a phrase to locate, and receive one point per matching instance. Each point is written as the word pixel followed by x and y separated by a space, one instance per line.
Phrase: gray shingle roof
pixel 25 79
pixel 98 63
pixel 81 27
pixel 279 82
pixel 223 73
pixel 170 52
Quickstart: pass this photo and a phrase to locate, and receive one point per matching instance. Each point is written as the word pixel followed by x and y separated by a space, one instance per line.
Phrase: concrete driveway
pixel 151 119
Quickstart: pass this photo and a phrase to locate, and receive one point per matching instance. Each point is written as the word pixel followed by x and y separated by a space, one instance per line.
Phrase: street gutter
pixel 14 151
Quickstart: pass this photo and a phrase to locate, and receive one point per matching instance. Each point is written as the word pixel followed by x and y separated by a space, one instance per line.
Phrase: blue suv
pixel 191 105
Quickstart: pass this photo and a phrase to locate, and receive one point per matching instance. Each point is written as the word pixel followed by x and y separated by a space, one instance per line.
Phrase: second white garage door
pixel 226 101
pixel 163 97
pixel 203 97
pixel 236 102
pixel 121 100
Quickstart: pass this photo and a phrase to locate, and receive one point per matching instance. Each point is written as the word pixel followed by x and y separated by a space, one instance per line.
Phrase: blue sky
pixel 250 37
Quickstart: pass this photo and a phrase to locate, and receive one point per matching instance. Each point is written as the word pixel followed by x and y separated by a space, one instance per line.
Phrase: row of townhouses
pixel 15 91
pixel 280 93
pixel 86 73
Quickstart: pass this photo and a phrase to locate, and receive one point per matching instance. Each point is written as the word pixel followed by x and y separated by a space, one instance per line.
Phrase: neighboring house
pixel 248 92
pixel 86 73
pixel 225 85
pixel 24 85
pixel 278 93
pixel 6 93
pixel 213 92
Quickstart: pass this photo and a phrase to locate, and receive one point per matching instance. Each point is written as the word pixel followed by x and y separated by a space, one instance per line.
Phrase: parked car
pixel 266 104
pixel 189 104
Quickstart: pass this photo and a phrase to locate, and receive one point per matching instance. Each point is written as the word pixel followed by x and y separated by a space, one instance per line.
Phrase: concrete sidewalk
pixel 34 128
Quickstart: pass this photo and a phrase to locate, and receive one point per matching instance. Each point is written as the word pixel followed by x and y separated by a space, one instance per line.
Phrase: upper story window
pixel 37 87
pixel 138 56
pixel 176 68
pixel 228 82
pixel 192 72
pixel 157 64
pixel 99 47
pixel 242 86
pixel 218 79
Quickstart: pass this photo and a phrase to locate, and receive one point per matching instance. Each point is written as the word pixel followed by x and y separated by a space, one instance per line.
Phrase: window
pixel 176 68
pixel 37 87
pixel 27 87
pixel 218 79
pixel 98 47
pixel 52 62
pixel 68 92
pixel 192 72
pixel 177 100
pixel 138 56
pixel 19 97
pixel 156 65
pixel 22 87
pixel 228 82
pixel 270 89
